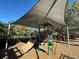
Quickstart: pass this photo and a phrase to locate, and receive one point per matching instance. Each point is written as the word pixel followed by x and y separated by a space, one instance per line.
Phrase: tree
pixel 3 29
pixel 23 30
pixel 72 16
pixel 75 6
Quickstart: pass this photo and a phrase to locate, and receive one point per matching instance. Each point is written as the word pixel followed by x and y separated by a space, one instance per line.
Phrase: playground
pixel 54 38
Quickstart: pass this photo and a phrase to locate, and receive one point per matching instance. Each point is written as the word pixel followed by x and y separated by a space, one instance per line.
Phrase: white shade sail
pixel 51 10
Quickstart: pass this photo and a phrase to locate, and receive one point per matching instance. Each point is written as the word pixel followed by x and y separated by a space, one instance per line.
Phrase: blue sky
pixel 14 9
pixel 71 1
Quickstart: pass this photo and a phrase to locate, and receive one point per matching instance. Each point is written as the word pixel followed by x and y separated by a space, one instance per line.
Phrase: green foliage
pixel 75 5
pixel 2 24
pixel 71 15
pixel 3 29
pixel 22 30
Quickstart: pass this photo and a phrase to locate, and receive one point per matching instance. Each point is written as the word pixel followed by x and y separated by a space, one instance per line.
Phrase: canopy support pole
pixel 6 45
pixel 68 36
pixel 38 36
pixel 8 34
pixel 48 44
pixel 53 41
pixel 39 30
pixel 44 30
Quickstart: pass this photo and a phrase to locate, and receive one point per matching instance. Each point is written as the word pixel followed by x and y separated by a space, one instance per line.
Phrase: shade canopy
pixel 51 11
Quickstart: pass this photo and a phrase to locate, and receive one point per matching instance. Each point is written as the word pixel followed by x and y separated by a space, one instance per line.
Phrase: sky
pixel 71 1
pixel 12 10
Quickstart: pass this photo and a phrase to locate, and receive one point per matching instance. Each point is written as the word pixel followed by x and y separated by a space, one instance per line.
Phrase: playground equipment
pixel 49 34
pixel 50 47
pixel 50 10
pixel 24 47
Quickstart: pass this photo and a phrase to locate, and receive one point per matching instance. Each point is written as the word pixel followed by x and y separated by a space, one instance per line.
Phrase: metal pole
pixel 48 43
pixel 44 30
pixel 38 36
pixel 68 36
pixel 6 45
pixel 48 35
pixel 8 34
pixel 52 41
pixel 39 29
